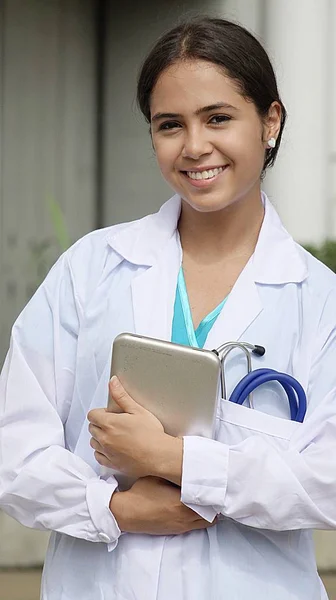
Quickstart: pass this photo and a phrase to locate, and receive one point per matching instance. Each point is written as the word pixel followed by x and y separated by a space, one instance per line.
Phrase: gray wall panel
pixel 48 137
pixel 47 149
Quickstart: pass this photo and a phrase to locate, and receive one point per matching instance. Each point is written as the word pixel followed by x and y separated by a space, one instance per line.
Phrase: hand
pixel 133 441
pixel 153 506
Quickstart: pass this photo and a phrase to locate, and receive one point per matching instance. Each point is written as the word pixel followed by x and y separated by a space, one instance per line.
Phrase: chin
pixel 207 205
pixel 206 209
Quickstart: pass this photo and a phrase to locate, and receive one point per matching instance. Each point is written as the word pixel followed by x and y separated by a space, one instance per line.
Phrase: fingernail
pixel 114 381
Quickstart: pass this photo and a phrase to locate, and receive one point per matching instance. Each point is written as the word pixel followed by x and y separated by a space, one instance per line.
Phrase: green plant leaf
pixel 326 253
pixel 58 222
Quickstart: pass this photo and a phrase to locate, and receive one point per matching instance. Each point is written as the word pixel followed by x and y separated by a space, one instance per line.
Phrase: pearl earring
pixel 271 142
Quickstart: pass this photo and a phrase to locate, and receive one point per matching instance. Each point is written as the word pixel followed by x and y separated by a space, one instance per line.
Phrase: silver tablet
pixel 178 384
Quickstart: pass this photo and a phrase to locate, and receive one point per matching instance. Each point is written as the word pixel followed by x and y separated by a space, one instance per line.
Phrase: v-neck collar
pixel 187 314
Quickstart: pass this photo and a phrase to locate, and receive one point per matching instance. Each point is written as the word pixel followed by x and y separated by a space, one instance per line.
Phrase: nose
pixel 196 144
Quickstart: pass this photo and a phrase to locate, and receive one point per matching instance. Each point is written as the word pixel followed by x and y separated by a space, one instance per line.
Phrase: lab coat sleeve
pixel 42 484
pixel 261 485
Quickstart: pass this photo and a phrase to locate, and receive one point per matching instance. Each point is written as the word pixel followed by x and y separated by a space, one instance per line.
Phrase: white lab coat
pixel 272 480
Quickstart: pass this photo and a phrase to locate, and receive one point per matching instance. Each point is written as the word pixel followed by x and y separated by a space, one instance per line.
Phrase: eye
pixel 219 119
pixel 168 125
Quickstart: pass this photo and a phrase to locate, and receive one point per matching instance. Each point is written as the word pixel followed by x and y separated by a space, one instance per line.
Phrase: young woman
pixel 224 518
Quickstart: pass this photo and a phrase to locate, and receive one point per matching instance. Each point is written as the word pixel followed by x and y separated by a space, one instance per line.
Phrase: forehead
pixel 191 84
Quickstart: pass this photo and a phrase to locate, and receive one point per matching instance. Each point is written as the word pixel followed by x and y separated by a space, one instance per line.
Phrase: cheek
pixel 167 152
pixel 246 150
pixel 254 156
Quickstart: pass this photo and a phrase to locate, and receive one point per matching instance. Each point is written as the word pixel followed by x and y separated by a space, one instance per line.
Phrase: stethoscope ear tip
pixel 259 350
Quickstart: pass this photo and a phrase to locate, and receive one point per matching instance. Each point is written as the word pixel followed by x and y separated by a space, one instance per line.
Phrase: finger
pixel 200 524
pixel 122 398
pixel 96 445
pixel 95 431
pixel 102 460
pixel 97 416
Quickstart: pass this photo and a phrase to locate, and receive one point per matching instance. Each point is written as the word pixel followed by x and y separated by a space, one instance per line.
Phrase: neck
pixel 215 236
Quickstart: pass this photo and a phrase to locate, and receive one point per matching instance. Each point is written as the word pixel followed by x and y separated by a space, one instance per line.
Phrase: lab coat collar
pixel 276 259
pixel 140 242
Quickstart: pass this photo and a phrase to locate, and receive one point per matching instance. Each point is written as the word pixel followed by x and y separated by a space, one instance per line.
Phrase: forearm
pixel 57 491
pixel 153 506
pixel 168 459
pixel 244 482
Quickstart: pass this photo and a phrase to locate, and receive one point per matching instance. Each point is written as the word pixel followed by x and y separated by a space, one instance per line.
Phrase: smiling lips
pixel 201 178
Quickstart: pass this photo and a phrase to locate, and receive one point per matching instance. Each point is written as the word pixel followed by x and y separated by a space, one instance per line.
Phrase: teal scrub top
pixel 183 331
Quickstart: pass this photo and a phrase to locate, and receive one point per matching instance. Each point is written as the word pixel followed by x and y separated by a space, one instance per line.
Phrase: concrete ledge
pixel 20 546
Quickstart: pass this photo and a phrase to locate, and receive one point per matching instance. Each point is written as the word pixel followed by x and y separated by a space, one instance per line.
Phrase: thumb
pixel 122 398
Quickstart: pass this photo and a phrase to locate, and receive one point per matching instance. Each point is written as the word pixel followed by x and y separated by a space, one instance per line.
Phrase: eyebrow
pixel 198 112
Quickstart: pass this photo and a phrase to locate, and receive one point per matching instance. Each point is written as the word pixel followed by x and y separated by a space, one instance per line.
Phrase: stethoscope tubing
pixel 294 390
pixel 224 351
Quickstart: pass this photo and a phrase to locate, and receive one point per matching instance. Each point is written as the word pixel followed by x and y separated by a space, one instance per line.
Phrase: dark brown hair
pixel 223 43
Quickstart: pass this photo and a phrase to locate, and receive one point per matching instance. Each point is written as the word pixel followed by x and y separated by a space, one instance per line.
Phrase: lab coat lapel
pixel 153 293
pixel 276 261
pixel 240 310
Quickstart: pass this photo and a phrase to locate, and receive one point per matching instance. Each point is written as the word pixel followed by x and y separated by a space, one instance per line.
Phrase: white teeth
pixel 205 174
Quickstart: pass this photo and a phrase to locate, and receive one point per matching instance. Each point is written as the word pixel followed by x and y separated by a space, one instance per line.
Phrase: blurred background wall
pixel 75 154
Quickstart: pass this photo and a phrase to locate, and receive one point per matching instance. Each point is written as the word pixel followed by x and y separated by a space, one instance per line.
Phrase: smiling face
pixel 209 140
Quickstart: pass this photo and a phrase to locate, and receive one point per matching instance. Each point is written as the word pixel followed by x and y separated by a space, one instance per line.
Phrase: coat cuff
pixel 98 497
pixel 204 475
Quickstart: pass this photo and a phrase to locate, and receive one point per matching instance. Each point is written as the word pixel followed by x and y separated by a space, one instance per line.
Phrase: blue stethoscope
pixel 243 390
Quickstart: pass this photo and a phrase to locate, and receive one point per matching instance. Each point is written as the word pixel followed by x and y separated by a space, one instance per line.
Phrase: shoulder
pixel 320 280
pixel 99 242
pixel 138 242
pixel 320 291
pixel 95 254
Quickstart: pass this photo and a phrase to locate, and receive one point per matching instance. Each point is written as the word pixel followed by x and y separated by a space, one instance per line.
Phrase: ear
pixel 272 122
